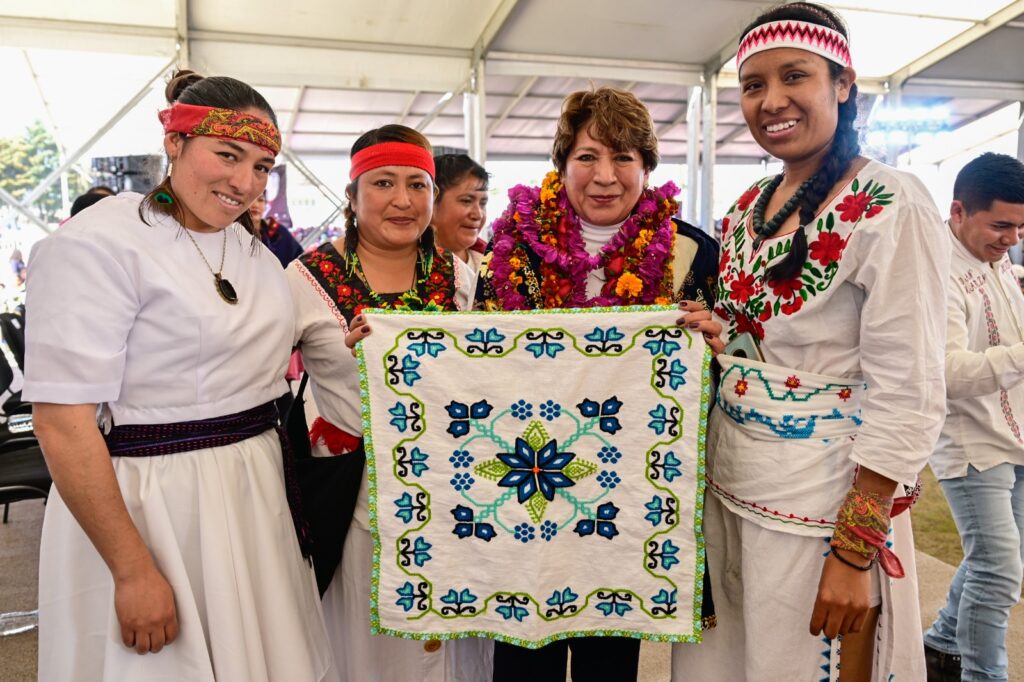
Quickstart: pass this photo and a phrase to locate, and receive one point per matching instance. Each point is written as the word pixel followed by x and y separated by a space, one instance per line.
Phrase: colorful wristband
pixel 862 527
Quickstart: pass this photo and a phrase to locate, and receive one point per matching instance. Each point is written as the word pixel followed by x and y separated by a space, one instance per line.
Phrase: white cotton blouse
pixel 127 314
pixel 870 304
pixel 984 367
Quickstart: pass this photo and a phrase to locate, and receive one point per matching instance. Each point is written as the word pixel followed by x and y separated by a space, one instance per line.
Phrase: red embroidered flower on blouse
pixel 793 306
pixel 742 287
pixel 874 210
pixel 827 248
pixel 845 394
pixel 326 266
pixel 787 289
pixel 744 325
pixel 746 199
pixel 793 382
pixel 741 387
pixel 853 206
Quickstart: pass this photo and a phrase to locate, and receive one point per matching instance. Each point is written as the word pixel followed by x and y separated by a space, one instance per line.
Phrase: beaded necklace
pixel 763 230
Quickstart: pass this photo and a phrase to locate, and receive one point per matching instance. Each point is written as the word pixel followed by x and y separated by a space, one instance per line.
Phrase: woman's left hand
pixel 698 319
pixel 843 598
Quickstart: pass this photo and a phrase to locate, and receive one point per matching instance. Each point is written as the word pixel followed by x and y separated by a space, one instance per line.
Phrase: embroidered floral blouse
pixel 984 367
pixel 869 304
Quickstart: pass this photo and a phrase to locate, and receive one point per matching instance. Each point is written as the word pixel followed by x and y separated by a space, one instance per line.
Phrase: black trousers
pixel 594 659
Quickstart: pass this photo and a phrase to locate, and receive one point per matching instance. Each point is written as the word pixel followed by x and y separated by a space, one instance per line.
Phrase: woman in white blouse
pixel 168 531
pixel 834 273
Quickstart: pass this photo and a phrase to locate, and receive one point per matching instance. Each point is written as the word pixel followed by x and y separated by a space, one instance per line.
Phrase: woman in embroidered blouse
pixel 594 235
pixel 169 530
pixel 387 258
pixel 843 290
pixel 460 210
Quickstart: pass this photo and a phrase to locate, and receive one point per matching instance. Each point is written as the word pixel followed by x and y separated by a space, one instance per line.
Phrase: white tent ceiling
pixel 335 68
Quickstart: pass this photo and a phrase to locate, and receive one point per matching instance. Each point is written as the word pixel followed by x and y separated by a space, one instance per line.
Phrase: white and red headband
pixel 802 35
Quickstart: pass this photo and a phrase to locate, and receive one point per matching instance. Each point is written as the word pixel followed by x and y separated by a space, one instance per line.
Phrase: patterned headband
pixel 391 154
pixel 224 124
pixel 820 40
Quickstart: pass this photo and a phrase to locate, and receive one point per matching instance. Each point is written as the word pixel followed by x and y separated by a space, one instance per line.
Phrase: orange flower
pixel 643 239
pixel 629 283
pixel 515 217
pixel 662 300
pixel 515 262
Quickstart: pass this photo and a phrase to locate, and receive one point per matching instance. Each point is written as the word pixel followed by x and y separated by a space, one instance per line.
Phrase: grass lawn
pixel 934 530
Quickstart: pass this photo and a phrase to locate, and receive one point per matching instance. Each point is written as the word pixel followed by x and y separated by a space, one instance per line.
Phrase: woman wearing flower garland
pixel 836 270
pixel 169 529
pixel 593 234
pixel 387 259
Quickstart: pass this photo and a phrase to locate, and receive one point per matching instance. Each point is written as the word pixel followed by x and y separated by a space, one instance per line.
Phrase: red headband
pixel 802 35
pixel 391 154
pixel 225 124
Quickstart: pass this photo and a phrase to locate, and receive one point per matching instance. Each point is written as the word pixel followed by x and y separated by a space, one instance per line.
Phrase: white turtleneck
pixel 594 238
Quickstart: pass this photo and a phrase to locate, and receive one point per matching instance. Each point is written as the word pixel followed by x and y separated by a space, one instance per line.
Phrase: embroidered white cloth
pixel 535 475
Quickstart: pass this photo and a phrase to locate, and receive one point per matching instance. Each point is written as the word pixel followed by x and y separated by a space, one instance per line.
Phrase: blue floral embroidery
pixel 426 343
pixel 465 526
pixel 522 410
pixel 615 602
pixel 512 606
pixel 408 509
pixel 661 341
pixel 485 342
pixel 664 553
pixel 609 454
pixel 674 374
pixel 458 602
pixel 562 601
pixel 403 418
pixel 411 595
pixel 550 410
pixel 605 411
pixel 608 479
pixel 664 420
pixel 415 553
pixel 461 458
pixel 604 340
pixel 667 601
pixel 659 512
pixel 545 343
pixel 532 470
pixel 548 530
pixel 461 415
pixel 667 467
pixel 406 372
pixel 415 461
pixel 602 524
pixel 524 532
pixel 462 482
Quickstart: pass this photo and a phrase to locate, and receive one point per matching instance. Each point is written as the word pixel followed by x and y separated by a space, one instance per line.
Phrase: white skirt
pixel 363 657
pixel 217 523
pixel 764 583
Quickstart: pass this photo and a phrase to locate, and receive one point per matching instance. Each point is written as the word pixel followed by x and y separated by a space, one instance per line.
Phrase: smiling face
pixel 603 185
pixel 216 180
pixel 460 214
pixel 988 234
pixel 791 102
pixel 393 206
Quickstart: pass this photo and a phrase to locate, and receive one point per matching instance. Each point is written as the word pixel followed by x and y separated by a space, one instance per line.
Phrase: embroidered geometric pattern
pixel 995 340
pixel 802 35
pixel 519 490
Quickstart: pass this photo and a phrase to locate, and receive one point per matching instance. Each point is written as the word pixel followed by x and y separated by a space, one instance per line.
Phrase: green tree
pixel 25 161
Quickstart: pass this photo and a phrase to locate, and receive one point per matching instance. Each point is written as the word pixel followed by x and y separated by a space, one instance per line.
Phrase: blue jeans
pixel 988 507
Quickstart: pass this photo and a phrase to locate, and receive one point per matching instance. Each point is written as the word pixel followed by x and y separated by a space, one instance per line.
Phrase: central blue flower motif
pixel 533 470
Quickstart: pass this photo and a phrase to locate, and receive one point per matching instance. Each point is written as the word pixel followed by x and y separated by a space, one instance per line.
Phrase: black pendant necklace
pixel 222 285
pixel 763 230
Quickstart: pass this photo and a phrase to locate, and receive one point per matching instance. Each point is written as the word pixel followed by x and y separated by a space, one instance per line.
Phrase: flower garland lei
pixel 637 261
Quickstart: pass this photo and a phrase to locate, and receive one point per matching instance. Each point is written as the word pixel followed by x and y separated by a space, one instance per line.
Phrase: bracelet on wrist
pixel 849 563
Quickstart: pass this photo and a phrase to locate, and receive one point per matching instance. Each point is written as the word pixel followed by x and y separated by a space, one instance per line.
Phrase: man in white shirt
pixel 979 459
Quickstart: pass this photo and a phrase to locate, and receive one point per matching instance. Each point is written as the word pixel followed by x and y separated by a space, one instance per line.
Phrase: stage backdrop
pixel 535 476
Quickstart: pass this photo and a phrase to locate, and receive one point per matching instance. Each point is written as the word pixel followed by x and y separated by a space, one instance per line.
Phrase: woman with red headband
pixel 832 283
pixel 168 531
pixel 387 259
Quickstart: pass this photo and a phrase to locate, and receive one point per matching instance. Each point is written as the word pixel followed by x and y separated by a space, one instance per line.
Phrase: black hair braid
pixel 845 148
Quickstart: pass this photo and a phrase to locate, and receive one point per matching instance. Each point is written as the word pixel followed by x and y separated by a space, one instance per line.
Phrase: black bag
pixel 330 487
